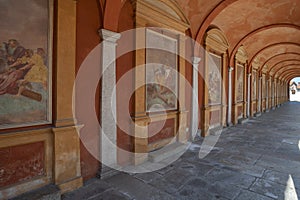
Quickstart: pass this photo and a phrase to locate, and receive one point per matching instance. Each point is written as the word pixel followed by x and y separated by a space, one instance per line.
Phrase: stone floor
pixel 259 160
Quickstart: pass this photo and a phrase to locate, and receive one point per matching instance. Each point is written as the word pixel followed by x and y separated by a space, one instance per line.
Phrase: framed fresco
pixel 264 89
pixel 213 81
pixel 254 85
pixel 161 72
pixel 25 63
pixel 272 89
pixel 240 83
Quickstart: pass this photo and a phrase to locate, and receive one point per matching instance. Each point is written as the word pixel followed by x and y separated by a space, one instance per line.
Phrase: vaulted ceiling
pixel 269 30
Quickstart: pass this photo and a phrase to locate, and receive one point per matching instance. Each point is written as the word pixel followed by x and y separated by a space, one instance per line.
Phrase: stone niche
pixel 214 112
pixel 159 61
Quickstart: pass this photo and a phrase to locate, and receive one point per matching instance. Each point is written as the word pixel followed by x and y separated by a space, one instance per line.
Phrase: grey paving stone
pixel 173 181
pixel 279 164
pixel 166 169
pixel 110 195
pixel 248 195
pixel 197 188
pixel 275 176
pixel 148 177
pixel 225 190
pixel 196 167
pixel 249 162
pixel 255 171
pixel 192 193
pixel 268 188
pixel 136 188
pixel 92 188
pixel 297 183
pixel 229 177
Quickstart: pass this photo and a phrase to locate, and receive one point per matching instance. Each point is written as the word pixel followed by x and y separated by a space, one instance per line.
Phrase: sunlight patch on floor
pixel 290 191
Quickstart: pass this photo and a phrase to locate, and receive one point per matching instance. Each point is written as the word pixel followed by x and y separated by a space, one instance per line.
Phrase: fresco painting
pixel 254 85
pixel 214 79
pixel 264 87
pixel 161 72
pixel 240 83
pixel 25 67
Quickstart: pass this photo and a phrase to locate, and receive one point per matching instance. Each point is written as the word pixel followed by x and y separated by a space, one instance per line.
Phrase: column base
pixel 215 131
pixel 71 185
pixel 106 172
pixel 258 114
pixel 229 124
pixel 243 120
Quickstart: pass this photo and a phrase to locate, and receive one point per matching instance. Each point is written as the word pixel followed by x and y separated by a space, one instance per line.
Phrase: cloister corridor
pixel 150 99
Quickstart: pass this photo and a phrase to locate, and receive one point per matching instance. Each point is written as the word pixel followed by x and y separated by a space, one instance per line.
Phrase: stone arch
pixel 271 59
pixel 259 30
pixel 209 18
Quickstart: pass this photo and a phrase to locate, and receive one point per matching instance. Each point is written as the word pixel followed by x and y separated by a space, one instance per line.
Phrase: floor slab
pixel 251 161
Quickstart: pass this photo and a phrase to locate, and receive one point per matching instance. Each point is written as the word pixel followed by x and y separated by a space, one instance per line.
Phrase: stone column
pixel 267 96
pixel 195 105
pixel 230 69
pixel 108 100
pixel 273 94
pixel 248 95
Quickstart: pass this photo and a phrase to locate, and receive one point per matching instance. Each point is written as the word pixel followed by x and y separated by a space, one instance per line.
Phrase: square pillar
pixel 108 154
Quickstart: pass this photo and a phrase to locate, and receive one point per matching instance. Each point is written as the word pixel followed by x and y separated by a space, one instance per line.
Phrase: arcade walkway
pixel 259 160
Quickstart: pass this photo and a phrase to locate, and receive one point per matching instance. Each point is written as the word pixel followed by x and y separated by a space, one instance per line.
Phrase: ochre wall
pixel 48 149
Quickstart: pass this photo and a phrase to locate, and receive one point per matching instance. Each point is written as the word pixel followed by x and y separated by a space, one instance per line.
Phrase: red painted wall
pixel 21 163
pixel 124 65
pixel 89 21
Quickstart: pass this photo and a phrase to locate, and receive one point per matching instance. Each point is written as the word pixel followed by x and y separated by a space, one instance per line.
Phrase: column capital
pixel 196 60
pixel 109 36
pixel 230 69
pixel 249 75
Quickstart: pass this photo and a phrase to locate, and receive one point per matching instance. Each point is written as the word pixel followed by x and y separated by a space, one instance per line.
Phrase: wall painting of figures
pixel 161 72
pixel 214 79
pixel 254 85
pixel 25 62
pixel 240 83
pixel 264 87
